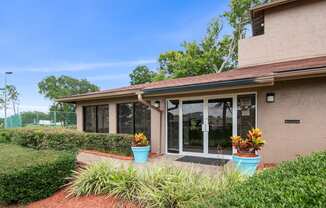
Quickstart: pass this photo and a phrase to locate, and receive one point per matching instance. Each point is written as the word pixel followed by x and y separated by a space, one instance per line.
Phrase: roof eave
pixel 237 83
pixel 96 96
pixel 269 5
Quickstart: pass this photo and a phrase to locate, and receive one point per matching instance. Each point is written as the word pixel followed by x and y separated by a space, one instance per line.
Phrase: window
pixel 96 118
pixel 134 118
pixel 103 118
pixel 246 113
pixel 173 126
pixel 258 24
pixel 142 119
pixel 90 118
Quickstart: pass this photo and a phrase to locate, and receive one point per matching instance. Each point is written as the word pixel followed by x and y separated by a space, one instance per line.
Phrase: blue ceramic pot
pixel 246 165
pixel 141 154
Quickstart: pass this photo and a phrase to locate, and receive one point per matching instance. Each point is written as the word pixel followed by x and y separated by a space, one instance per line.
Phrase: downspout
pixel 141 100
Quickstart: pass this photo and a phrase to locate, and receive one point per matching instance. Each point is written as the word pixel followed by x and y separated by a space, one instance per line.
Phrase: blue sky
pixel 100 40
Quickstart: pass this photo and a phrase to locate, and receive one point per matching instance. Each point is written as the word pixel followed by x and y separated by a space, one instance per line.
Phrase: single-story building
pixel 197 115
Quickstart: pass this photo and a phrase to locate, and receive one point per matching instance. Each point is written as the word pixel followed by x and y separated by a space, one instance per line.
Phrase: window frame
pixel 133 118
pixel 96 118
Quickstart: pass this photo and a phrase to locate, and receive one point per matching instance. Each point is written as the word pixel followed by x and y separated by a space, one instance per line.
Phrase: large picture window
pixel 134 118
pixel 96 118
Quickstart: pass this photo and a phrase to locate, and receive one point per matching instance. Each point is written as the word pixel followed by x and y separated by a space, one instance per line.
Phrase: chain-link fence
pixel 39 119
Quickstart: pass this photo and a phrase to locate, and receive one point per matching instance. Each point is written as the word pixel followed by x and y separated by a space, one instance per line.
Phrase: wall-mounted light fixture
pixel 270 97
pixel 157 104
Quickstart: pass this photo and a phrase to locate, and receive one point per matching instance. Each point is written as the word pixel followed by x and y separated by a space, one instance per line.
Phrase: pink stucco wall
pixel 291 32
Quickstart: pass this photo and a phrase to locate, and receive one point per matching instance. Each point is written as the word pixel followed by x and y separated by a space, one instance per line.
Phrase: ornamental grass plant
pixel 162 186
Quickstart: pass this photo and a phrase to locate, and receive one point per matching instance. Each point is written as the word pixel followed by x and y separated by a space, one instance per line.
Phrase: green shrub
pixel 67 139
pixel 27 175
pixel 102 178
pixel 298 183
pixel 156 187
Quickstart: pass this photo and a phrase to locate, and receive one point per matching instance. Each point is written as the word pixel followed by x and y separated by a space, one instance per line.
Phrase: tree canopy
pixel 141 74
pixel 213 54
pixel 53 87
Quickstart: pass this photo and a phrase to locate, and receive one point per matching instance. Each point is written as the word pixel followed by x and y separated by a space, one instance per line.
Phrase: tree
pixel 141 74
pixel 32 117
pixel 238 18
pixel 54 87
pixel 12 96
pixel 196 58
pixel 213 54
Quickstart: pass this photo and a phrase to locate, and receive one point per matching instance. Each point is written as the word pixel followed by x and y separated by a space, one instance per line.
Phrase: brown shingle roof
pixel 241 73
pixel 235 74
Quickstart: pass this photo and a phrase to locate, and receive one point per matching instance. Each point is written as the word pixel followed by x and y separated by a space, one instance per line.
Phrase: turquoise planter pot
pixel 246 165
pixel 141 154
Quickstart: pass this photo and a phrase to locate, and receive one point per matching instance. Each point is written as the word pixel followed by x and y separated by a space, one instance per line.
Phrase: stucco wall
pixel 79 115
pixel 292 32
pixel 304 100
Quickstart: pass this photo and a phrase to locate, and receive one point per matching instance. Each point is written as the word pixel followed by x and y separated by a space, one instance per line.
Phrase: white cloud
pixel 82 66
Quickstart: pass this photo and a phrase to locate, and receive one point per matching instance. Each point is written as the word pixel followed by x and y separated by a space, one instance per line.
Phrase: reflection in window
pixel 142 119
pixel 103 118
pixel 192 126
pixel 173 126
pixel 126 118
pixel 246 113
pixel 134 118
pixel 220 126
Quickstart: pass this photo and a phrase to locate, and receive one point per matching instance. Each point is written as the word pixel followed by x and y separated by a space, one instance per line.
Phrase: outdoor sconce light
pixel 157 104
pixel 270 97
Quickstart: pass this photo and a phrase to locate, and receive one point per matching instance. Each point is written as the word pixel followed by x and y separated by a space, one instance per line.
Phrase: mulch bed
pixel 59 200
pixel 115 156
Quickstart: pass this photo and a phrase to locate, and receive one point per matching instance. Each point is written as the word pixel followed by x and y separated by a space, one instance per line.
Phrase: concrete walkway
pixel 165 160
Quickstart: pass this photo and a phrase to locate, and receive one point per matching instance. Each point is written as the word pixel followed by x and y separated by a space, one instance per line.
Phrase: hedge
pixel 27 175
pixel 298 183
pixel 67 139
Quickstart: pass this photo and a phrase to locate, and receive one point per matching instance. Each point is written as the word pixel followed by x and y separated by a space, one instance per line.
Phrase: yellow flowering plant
pixel 140 140
pixel 251 144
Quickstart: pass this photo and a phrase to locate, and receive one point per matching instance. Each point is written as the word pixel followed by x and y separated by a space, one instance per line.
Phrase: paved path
pixel 167 160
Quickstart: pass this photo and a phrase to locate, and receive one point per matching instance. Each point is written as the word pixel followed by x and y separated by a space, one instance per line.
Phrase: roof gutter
pixel 210 86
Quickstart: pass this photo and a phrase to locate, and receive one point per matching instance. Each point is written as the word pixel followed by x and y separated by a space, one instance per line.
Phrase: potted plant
pixel 140 148
pixel 246 159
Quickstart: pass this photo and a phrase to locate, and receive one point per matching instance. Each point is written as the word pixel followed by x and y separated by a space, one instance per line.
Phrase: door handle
pixel 203 127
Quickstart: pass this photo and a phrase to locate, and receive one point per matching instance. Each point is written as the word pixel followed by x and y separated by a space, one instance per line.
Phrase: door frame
pixel 205 115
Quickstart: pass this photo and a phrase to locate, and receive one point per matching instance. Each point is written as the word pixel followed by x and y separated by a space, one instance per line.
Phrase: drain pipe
pixel 141 100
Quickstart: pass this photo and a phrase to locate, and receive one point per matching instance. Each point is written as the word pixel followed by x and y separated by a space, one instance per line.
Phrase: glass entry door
pixel 202 126
pixel 192 121
pixel 207 125
pixel 220 122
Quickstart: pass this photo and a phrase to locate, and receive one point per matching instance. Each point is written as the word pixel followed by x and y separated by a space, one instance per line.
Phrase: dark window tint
pixel 90 118
pixel 173 126
pixel 220 126
pixel 134 118
pixel 103 118
pixel 246 113
pixel 126 118
pixel 192 126
pixel 142 119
